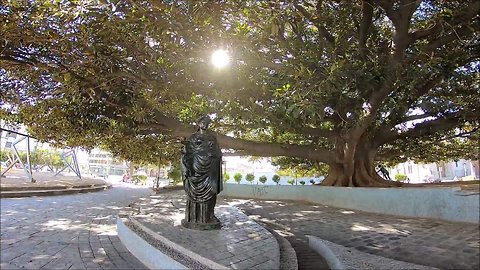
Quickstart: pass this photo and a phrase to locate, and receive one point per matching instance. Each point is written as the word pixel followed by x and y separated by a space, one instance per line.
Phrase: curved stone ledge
pixel 288 256
pixel 340 257
pixel 52 192
pixel 241 243
pixel 149 255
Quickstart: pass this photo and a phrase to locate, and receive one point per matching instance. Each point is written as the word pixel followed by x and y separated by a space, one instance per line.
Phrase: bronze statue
pixel 202 177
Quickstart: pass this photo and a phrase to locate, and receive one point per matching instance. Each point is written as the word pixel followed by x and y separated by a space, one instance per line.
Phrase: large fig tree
pixel 342 83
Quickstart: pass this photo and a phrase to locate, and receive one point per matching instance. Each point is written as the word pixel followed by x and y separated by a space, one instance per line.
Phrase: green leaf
pixel 66 77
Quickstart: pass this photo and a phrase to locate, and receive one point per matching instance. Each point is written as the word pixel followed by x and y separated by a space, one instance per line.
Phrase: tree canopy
pixel 343 83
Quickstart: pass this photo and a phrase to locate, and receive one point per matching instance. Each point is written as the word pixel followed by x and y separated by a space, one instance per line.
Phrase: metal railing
pixel 14 157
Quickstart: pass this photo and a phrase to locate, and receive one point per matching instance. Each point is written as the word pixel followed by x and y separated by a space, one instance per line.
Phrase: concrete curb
pixel 51 192
pixel 340 257
pixel 49 187
pixel 173 255
pixel 150 256
pixel 322 249
pixel 288 256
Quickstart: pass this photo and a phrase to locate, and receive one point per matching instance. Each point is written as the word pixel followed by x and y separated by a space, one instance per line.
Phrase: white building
pixel 103 163
pixel 444 170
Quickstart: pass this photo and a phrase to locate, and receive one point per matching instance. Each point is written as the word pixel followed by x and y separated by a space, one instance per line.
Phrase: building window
pixel 441 171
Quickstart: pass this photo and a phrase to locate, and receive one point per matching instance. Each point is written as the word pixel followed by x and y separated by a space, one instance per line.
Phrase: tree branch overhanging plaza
pixel 346 84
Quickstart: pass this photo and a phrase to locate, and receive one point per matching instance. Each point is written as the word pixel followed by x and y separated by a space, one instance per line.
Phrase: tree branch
pixel 317 22
pixel 456 34
pixel 459 135
pixel 262 64
pixel 18 58
pixel 317 132
pixel 401 20
pixel 307 131
pixel 173 127
pixel 430 127
pixel 416 117
pixel 367 16
pixel 382 156
pixel 392 153
pixel 397 114
pixel 264 149
pixel 438 26
pixel 10 59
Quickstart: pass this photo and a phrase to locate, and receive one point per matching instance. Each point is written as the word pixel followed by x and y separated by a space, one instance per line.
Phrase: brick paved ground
pixel 17 180
pixel 78 231
pixel 307 258
pixel 428 242
pixel 239 244
pixel 66 232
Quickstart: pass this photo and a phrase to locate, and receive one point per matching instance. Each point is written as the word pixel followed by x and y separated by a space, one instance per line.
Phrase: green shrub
pixel 226 177
pixel 250 177
pixel 262 179
pixel 302 183
pixel 237 177
pixel 276 178
pixel 175 174
pixel 4 153
pixel 291 182
pixel 140 179
pixel 400 177
pixel 312 181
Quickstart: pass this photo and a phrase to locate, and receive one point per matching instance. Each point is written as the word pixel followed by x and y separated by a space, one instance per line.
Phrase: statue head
pixel 203 122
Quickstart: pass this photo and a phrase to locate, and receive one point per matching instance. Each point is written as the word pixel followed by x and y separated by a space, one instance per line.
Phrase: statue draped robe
pixel 202 177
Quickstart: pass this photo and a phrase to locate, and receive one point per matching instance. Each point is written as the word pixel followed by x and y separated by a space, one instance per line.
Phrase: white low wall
pixel 146 253
pixel 447 203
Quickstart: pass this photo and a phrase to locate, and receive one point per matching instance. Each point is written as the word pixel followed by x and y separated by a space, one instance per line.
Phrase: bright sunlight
pixel 220 58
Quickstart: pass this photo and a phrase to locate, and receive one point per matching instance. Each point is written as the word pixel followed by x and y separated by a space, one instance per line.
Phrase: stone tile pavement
pixel 16 180
pixel 66 232
pixel 240 244
pixel 16 184
pixel 307 259
pixel 78 231
pixel 435 243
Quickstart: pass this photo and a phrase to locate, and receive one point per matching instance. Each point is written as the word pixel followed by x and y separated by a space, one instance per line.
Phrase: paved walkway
pixel 17 184
pixel 67 232
pixel 240 243
pixel 78 231
pixel 17 180
pixel 427 242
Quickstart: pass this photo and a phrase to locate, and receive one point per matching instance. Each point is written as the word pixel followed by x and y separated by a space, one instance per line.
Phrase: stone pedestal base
pixel 159 225
pixel 201 226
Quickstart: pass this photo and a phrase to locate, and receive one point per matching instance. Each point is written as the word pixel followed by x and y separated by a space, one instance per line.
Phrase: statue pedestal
pixel 152 230
pixel 201 226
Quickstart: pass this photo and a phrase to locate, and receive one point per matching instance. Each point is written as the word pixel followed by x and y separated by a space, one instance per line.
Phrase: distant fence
pixel 447 203
pixel 13 158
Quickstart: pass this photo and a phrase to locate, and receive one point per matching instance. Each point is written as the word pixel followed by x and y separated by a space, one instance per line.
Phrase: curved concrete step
pixel 51 192
pixel 340 257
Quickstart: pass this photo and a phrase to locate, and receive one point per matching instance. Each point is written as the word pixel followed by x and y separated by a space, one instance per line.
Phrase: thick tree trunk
pixel 356 171
pixel 131 169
